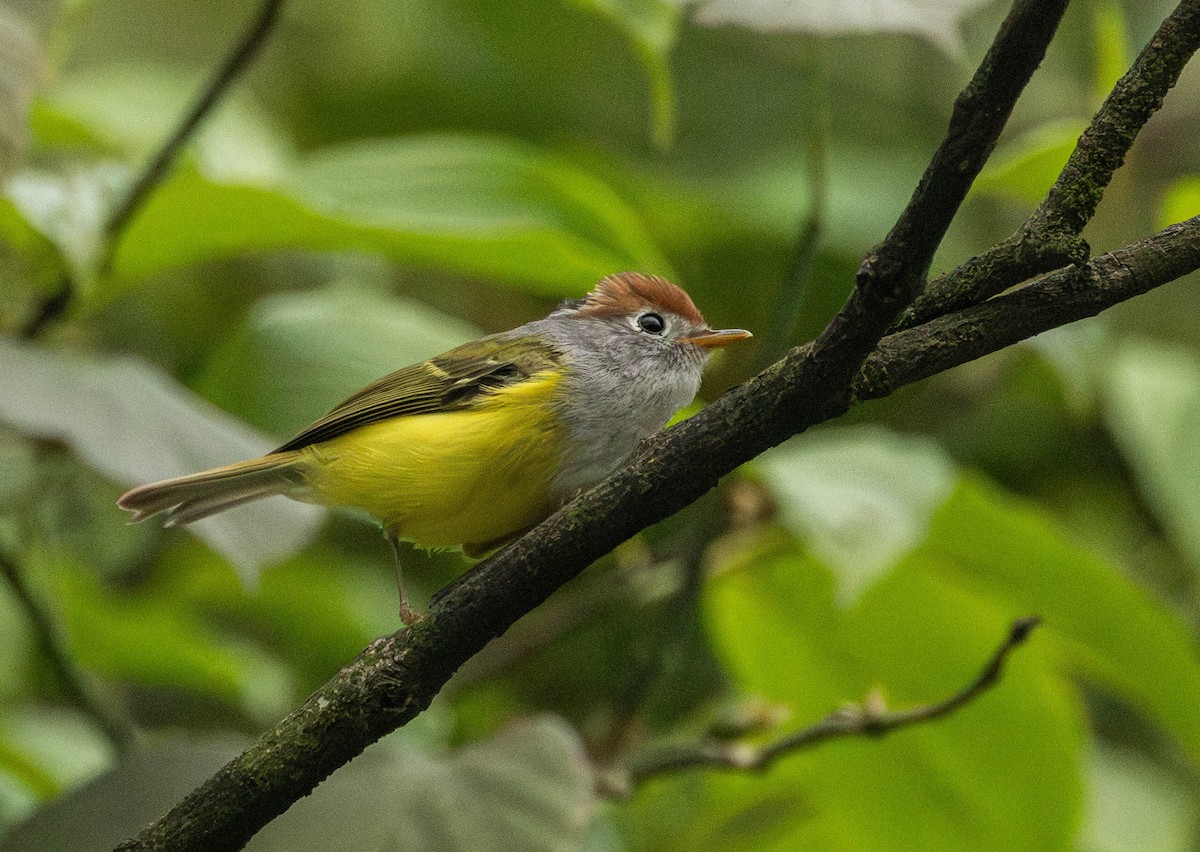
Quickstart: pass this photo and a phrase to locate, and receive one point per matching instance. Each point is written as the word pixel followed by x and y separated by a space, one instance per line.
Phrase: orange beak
pixel 710 339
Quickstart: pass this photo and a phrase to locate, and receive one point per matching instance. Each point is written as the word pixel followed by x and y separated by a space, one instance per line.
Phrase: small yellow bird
pixel 478 445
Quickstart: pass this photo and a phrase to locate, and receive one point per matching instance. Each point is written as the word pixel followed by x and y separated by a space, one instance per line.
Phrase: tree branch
pixel 893 272
pixel 870 718
pixel 56 304
pixel 1050 238
pixel 235 63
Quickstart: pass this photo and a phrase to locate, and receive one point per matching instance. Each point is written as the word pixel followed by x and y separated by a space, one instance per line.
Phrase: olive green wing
pixel 450 382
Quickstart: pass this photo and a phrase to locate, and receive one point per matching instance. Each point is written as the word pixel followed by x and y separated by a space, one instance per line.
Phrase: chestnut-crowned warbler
pixel 479 444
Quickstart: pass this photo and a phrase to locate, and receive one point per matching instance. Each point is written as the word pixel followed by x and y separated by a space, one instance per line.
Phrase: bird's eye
pixel 651 323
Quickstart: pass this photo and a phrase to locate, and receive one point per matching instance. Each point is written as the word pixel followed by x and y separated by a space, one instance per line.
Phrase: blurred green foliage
pixel 395 176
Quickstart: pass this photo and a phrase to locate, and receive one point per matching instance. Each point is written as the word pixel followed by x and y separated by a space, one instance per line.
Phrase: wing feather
pixel 450 382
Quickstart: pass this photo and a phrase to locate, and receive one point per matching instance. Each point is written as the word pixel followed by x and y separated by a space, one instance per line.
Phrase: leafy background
pixel 395 176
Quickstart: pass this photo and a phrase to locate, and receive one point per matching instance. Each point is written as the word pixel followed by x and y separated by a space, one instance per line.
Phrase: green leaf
pixel 64 744
pixel 299 354
pixel 958 783
pixel 134 424
pixel 69 209
pixel 1181 201
pixel 502 206
pixel 1152 409
pixel 475 205
pixel 860 498
pixel 1135 806
pixel 651 26
pixel 1107 627
pixel 136 638
pixel 1027 167
pixel 134 107
pixel 528 788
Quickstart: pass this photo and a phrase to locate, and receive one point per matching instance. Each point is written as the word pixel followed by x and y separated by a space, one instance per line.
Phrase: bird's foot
pixel 409 615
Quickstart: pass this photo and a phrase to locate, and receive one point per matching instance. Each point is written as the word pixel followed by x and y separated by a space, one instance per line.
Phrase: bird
pixel 476 446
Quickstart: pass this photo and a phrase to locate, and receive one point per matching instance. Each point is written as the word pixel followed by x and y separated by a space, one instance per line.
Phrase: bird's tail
pixel 189 498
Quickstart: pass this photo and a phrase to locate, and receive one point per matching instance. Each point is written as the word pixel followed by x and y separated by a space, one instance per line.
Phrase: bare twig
pixel 55 305
pixel 79 689
pixel 235 63
pixel 1051 237
pixel 869 718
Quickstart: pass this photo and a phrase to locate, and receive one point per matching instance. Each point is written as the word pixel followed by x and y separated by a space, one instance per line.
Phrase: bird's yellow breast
pixel 472 477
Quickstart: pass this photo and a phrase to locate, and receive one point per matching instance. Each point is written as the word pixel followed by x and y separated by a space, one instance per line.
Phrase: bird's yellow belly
pixel 471 477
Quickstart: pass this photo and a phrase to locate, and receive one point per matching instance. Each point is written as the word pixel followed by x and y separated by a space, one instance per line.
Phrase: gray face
pixel 626 376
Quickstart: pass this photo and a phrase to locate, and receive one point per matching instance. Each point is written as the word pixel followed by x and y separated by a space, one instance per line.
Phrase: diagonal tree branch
pixel 893 272
pixel 218 85
pixel 1050 238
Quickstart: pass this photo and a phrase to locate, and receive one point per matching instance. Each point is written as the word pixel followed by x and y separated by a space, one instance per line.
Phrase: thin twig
pixel 796 284
pixel 79 689
pixel 55 304
pixel 866 719
pixel 235 63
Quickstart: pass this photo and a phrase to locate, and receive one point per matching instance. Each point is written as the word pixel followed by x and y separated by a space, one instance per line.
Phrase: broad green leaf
pixel 117 805
pixel 32 256
pixel 860 498
pixel 651 27
pixel 69 209
pixel 134 637
pixel 1027 167
pixel 64 743
pixel 1106 626
pixel 133 424
pixel 44 750
pixel 528 788
pixel 55 128
pixel 1152 408
pixel 958 783
pixel 1135 806
pixel 134 107
pixel 1182 201
pixel 935 20
pixel 471 198
pixel 20 68
pixel 299 354
pixel 476 205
